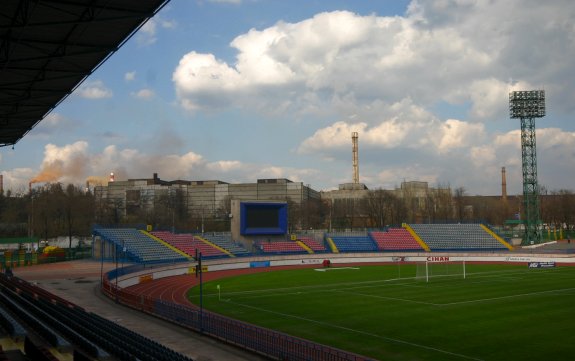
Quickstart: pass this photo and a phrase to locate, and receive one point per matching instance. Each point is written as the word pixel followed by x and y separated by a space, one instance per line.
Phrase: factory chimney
pixel 354 137
pixel 503 185
pixel 1 184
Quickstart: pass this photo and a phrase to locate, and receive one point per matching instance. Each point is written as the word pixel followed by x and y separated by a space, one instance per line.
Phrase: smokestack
pixel 503 185
pixel 30 188
pixel 1 184
pixel 112 177
pixel 354 137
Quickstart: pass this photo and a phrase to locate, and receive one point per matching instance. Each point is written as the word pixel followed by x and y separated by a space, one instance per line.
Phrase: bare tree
pixel 379 205
pixel 459 198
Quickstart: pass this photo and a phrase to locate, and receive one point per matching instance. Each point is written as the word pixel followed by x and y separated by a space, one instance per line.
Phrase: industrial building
pixel 207 198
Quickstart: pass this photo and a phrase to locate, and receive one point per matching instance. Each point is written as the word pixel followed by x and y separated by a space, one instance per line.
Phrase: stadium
pixel 259 288
pixel 416 291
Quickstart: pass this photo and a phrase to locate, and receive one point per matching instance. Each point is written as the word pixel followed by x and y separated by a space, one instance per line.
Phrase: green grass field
pixel 498 312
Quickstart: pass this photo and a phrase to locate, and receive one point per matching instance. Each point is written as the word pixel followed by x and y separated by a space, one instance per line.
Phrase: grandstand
pixel 312 244
pixel 189 244
pixel 395 239
pixel 280 247
pixel 353 243
pixel 458 237
pixel 137 246
pixel 225 242
pixel 165 246
pixel 67 328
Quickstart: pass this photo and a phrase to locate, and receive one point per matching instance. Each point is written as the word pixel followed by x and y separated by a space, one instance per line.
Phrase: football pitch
pixel 495 312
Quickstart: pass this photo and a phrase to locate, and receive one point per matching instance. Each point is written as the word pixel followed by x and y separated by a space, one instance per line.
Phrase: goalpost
pixel 435 269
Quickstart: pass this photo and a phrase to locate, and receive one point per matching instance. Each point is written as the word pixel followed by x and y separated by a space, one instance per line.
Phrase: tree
pixel 379 206
pixel 459 198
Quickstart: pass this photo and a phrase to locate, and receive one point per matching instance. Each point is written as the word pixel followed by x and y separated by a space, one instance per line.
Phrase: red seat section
pixel 395 239
pixel 312 244
pixel 281 247
pixel 187 243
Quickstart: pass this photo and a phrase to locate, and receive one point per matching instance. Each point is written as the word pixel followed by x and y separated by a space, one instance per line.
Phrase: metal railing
pixel 270 343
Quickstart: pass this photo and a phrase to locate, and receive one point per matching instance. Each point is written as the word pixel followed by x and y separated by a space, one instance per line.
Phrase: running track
pixel 174 288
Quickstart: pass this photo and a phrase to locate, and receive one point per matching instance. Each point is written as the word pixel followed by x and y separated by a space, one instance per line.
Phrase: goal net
pixel 427 270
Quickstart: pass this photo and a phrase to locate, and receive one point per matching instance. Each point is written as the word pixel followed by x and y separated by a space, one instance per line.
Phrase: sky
pixel 239 90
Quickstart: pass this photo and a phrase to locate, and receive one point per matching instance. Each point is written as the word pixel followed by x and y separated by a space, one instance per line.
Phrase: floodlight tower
pixel 526 106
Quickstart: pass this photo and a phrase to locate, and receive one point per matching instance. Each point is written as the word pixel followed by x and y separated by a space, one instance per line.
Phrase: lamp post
pixel 199 273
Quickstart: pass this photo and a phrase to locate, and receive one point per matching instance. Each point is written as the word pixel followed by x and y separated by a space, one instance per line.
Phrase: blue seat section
pixel 353 242
pixel 139 246
pixel 225 241
pixel 457 237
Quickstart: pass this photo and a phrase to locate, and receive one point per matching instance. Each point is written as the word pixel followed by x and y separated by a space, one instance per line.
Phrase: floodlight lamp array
pixel 527 104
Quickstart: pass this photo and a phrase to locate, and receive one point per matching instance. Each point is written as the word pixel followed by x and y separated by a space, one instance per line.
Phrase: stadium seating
pixel 312 244
pixel 225 241
pixel 187 243
pixel 353 243
pixel 395 239
pixel 280 247
pixel 139 246
pixel 457 237
pixel 58 323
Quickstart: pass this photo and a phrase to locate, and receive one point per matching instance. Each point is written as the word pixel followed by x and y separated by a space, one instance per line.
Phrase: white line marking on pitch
pixel 504 297
pixel 333 269
pixel 389 298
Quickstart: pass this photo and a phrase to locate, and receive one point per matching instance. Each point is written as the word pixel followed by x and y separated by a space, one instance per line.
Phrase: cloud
pixel 456 134
pixel 94 89
pixel 471 54
pixel 75 163
pixel 235 2
pixel 16 180
pixel 425 89
pixel 130 76
pixel 224 165
pixel 144 94
pixel 148 33
pixel 328 57
pixel 63 164
pixel 54 123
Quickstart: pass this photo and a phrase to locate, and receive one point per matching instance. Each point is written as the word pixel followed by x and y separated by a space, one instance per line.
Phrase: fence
pixel 22 258
pixel 273 344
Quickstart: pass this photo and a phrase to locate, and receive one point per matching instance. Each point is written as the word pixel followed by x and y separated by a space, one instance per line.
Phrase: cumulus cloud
pixel 334 55
pixel 395 79
pixel 468 52
pixel 94 89
pixel 148 33
pixel 75 163
pixel 63 164
pixel 144 94
pixel 425 91
pixel 130 76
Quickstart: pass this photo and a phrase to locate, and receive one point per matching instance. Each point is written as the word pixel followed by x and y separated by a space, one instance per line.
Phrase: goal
pixel 427 270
